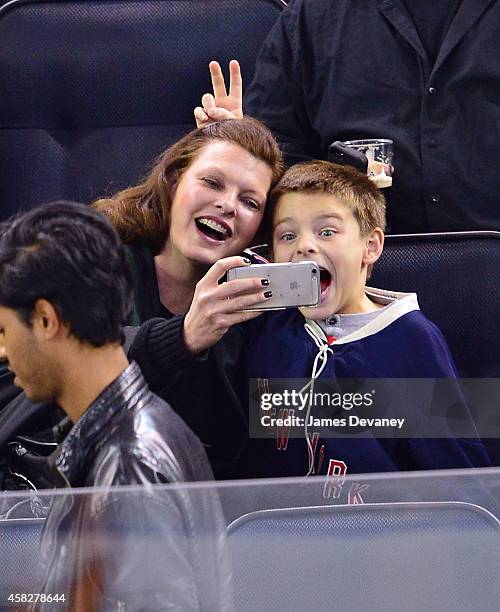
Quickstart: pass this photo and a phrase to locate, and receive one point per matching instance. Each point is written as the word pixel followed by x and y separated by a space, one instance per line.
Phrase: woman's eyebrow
pixel 219 173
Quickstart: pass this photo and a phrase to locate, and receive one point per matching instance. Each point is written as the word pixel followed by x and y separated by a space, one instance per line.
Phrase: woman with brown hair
pixel 185 226
pixel 201 204
pixel 203 201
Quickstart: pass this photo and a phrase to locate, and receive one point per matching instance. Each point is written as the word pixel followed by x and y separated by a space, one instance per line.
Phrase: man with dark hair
pixel 65 292
pixel 58 309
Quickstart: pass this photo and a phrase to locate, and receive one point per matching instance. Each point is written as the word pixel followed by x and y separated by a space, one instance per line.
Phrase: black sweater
pixel 159 341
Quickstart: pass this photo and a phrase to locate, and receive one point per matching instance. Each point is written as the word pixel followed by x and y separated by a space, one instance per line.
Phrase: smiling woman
pixel 185 226
pixel 202 202
pixel 217 204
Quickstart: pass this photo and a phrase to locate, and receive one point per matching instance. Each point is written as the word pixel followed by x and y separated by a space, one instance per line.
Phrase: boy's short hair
pixel 351 187
pixel 71 256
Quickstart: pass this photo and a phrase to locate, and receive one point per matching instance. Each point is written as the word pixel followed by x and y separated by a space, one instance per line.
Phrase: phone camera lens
pixel 314 271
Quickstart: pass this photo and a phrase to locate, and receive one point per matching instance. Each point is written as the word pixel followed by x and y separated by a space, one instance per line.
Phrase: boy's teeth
pixel 213 225
pixel 325 279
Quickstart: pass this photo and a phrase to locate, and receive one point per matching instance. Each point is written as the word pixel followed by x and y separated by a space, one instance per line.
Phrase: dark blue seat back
pixel 457 279
pixel 92 91
pixel 373 557
pixel 19 556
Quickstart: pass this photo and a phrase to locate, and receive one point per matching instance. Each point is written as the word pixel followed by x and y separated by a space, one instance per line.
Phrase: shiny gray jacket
pixel 134 548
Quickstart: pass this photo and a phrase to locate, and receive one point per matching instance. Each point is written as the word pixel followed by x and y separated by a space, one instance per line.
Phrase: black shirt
pixel 432 20
pixel 159 340
pixel 147 304
pixel 7 389
pixel 357 69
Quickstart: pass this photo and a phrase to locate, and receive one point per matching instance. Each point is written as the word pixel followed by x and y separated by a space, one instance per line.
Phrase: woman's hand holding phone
pixel 218 306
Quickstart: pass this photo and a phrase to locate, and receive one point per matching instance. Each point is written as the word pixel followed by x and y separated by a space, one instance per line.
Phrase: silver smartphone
pixel 292 284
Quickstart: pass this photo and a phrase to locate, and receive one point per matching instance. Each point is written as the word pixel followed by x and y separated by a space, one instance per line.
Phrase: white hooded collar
pixel 399 305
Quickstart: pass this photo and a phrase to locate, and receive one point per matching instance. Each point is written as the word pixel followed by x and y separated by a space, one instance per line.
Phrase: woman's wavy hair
pixel 141 214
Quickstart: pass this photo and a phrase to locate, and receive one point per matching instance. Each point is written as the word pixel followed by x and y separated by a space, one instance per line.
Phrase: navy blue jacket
pixel 398 345
pixel 401 343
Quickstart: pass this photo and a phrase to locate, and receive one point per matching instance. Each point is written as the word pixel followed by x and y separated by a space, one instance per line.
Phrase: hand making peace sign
pixel 221 105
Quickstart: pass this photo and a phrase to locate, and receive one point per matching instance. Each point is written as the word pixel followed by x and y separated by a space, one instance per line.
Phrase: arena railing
pixel 399 541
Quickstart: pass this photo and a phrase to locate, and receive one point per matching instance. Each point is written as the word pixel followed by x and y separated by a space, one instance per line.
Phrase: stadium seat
pixel 456 277
pixel 92 91
pixel 441 556
pixel 19 556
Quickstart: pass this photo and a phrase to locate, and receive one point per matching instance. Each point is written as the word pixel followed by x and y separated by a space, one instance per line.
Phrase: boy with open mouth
pixel 335 216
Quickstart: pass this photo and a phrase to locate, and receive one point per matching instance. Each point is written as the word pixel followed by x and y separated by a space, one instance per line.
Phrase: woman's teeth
pixel 212 229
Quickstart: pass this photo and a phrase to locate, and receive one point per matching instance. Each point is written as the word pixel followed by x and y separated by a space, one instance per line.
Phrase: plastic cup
pixel 380 154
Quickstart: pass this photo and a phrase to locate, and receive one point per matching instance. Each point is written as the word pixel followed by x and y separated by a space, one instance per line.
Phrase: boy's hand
pixel 222 106
pixel 217 307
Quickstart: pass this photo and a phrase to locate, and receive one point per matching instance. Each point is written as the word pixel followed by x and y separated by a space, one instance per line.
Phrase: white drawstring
pixel 318 335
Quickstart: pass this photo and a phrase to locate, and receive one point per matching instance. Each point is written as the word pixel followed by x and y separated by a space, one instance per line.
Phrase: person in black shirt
pixel 424 74
pixel 432 21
